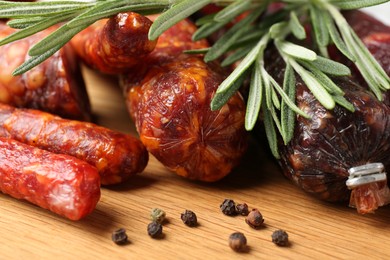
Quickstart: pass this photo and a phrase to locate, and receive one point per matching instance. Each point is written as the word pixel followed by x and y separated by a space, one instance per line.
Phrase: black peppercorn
pixel 237 242
pixel 254 219
pixel 189 218
pixel 242 209
pixel 280 237
pixel 119 236
pixel 228 207
pixel 155 229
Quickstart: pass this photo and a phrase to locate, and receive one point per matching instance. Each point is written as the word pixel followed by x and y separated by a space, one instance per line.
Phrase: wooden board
pixel 317 230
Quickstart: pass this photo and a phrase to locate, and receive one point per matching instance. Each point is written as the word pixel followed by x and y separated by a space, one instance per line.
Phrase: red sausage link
pixel 117 156
pixel 55 86
pixel 115 45
pixel 60 183
pixel 170 45
pixel 169 96
pixel 177 126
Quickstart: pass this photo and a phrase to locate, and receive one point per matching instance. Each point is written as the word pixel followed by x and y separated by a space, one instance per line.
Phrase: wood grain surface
pixel 317 230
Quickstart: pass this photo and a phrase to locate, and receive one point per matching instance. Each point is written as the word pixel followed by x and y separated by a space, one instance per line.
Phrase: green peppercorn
pixel 157 215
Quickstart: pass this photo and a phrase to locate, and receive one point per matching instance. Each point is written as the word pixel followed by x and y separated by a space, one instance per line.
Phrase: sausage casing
pixel 169 96
pixel 117 156
pixel 115 45
pixel 177 126
pixel 55 86
pixel 60 183
pixel 326 146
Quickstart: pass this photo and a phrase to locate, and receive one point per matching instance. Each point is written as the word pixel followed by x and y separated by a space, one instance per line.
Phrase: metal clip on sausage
pixel 369 187
pixel 369 173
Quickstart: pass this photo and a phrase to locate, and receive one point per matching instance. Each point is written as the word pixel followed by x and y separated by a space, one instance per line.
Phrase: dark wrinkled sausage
pixel 60 183
pixel 325 147
pixel 115 45
pixel 169 98
pixel 117 156
pixel 55 86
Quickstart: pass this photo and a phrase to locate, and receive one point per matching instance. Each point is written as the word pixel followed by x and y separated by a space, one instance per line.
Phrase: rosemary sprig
pixel 373 73
pixel 311 67
pixel 246 42
pixel 33 17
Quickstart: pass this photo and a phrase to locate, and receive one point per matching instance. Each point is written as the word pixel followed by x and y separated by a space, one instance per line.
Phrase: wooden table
pixel 317 230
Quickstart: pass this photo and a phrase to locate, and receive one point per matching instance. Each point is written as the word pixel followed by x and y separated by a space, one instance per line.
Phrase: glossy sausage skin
pixel 324 148
pixel 169 98
pixel 60 183
pixel 55 86
pixel 177 126
pixel 115 45
pixel 170 45
pixel 117 156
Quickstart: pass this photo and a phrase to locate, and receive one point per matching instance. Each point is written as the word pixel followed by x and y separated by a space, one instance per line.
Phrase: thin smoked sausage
pixel 117 156
pixel 60 183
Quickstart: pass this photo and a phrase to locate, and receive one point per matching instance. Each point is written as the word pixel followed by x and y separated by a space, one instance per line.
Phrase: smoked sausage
pixel 115 45
pixel 60 183
pixel 55 86
pixel 169 96
pixel 326 146
pixel 117 156
pixel 176 124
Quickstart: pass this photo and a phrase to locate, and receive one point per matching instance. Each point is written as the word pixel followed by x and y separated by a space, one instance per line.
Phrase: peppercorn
pixel 254 219
pixel 189 218
pixel 228 207
pixel 237 242
pixel 242 209
pixel 280 237
pixel 119 236
pixel 155 229
pixel 157 215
